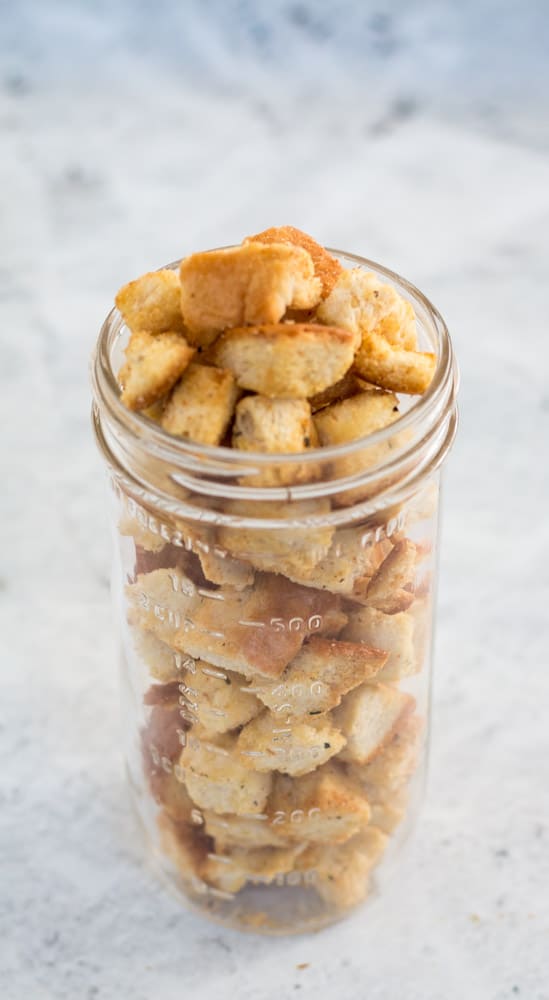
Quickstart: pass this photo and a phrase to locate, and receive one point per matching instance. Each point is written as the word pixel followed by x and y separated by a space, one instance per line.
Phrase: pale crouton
pixel 217 698
pixel 218 567
pixel 145 539
pixel 364 304
pixel 275 426
pixel 217 779
pixel 386 816
pixel 186 849
pixel 158 602
pixel 327 268
pixel 152 303
pixel 243 831
pixel 254 631
pixel 287 360
pixel 347 567
pixel 231 870
pixel 342 872
pixel 368 717
pixel 318 677
pixel 284 550
pixel 386 775
pixel 393 633
pixel 253 283
pixel 272 743
pixel 201 405
pixel 163 663
pixel 153 365
pixel 391 588
pixel 322 807
pixel 394 368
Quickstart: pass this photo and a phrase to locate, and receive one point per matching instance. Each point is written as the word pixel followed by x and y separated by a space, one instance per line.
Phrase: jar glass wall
pixel 275 617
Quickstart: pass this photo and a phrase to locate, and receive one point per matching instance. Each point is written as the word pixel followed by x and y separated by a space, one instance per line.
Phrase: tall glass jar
pixel 275 616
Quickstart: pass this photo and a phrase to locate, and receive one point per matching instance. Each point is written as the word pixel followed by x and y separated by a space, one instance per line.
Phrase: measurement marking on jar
pixel 210 672
pixel 282 732
pixel 259 816
pixel 252 753
pixel 197 817
pixel 220 894
pixel 216 635
pixel 214 594
pixel 220 857
pixel 214 749
pixel 250 624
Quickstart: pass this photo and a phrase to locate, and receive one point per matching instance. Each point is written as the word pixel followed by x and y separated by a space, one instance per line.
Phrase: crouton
pixel 384 777
pixel 350 385
pixel 218 699
pixel 152 303
pixel 386 816
pixel 272 743
pixel 231 870
pixel 163 663
pixel 253 283
pixel 327 268
pixel 393 633
pixel 347 567
pixel 322 807
pixel 391 588
pixel 364 304
pixel 287 360
pixel 342 872
pixel 171 794
pixel 275 426
pixel 186 849
pixel 217 779
pixel 318 677
pixel 153 365
pixel 281 550
pixel 253 631
pixel 218 567
pixel 159 601
pixel 394 368
pixel 368 717
pixel 201 405
pixel 145 539
pixel 243 831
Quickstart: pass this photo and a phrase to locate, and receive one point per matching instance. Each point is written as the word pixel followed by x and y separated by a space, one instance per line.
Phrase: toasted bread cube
pixel 368 717
pixel 393 633
pixel 258 630
pixel 287 360
pixel 386 775
pixel 318 677
pixel 281 550
pixel 386 816
pixel 231 870
pixel 391 588
pixel 253 283
pixel 152 303
pixel 186 849
pixel 350 385
pixel 153 365
pixel 347 567
pixel 159 601
pixel 163 663
pixel 243 831
pixel 172 795
pixel 327 267
pixel 275 426
pixel 217 779
pixel 145 539
pixel 219 567
pixel 322 807
pixel 342 872
pixel 394 368
pixel 218 699
pixel 364 304
pixel 201 405
pixel 270 743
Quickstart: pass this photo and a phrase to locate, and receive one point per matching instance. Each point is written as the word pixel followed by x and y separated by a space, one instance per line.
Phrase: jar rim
pixel 436 403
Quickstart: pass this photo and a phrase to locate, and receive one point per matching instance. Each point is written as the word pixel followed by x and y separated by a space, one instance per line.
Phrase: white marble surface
pixel 105 174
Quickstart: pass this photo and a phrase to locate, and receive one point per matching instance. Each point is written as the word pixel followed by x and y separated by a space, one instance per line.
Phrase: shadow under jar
pixel 275 647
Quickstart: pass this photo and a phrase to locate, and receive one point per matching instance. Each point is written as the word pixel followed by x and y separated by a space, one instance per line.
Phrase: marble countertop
pixel 102 180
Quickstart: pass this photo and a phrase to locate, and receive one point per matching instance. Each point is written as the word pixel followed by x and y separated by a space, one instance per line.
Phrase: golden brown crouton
pixel 391 588
pixel 327 268
pixel 153 365
pixel 287 360
pixel 393 633
pixel 152 303
pixel 216 778
pixel 394 368
pixel 219 567
pixel 350 385
pixel 243 831
pixel 324 806
pixel 271 743
pixel 368 717
pixel 342 871
pixel 356 417
pixel 347 567
pixel 281 550
pixel 201 405
pixel 364 304
pixel 318 677
pixel 217 698
pixel 385 776
pixel 253 283
pixel 275 426
pixel 254 631
pixel 231 870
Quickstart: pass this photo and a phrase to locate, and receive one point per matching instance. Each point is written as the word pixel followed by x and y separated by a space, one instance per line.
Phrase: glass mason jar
pixel 275 617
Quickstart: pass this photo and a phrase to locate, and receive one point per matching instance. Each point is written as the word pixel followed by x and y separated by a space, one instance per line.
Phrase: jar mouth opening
pixel 107 392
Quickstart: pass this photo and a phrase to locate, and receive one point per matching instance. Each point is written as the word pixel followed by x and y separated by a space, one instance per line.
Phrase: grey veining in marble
pixel 130 136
